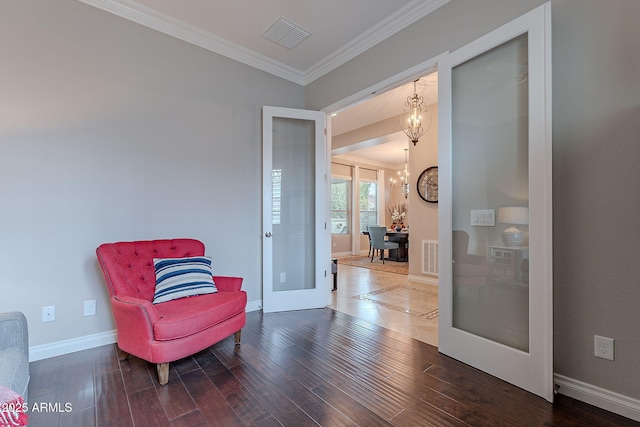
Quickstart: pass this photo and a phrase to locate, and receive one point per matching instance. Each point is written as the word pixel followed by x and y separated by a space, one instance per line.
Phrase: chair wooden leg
pixel 163 373
pixel 122 355
pixel 236 337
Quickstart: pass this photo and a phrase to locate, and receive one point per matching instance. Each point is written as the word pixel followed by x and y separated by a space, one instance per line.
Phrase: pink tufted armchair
pixel 468 269
pixel 169 331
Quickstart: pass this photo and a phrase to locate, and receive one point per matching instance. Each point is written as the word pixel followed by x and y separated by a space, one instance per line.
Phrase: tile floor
pixel 389 300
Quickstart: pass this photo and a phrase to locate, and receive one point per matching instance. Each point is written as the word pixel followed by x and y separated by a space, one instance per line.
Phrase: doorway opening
pixel 368 146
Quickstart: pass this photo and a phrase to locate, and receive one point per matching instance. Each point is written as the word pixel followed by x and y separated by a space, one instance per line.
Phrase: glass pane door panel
pixel 490 179
pixel 293 207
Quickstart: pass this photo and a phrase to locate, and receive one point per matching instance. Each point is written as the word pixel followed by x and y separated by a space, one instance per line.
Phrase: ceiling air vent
pixel 286 34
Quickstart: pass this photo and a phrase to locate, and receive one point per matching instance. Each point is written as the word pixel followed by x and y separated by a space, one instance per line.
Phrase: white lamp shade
pixel 513 215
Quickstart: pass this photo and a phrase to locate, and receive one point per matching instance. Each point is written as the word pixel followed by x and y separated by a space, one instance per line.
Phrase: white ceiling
pixel 384 106
pixel 340 30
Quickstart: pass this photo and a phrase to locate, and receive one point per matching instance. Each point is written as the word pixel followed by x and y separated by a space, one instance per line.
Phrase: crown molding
pixel 410 13
pixel 150 18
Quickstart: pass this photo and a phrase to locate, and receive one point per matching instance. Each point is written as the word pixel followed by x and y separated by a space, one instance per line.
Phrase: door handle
pixel 267 234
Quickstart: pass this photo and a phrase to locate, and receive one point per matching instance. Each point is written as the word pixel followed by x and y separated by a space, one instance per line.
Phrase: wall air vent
pixel 285 33
pixel 430 257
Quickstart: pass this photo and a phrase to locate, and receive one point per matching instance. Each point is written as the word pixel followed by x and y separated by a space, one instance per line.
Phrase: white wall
pixel 111 131
pixel 424 216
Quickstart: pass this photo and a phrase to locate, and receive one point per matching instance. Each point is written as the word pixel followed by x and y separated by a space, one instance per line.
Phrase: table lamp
pixel 514 215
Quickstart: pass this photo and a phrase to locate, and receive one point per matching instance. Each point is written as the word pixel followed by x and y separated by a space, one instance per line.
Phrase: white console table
pixel 507 260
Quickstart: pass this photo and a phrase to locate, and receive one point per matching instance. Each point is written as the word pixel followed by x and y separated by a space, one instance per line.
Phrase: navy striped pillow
pixel 182 277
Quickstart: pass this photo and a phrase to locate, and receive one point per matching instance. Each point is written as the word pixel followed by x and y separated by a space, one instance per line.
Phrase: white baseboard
pixel 597 396
pixel 427 280
pixel 339 254
pixel 254 306
pixel 58 348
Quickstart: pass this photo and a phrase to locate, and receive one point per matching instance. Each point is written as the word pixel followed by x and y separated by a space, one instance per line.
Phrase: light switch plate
pixel 483 217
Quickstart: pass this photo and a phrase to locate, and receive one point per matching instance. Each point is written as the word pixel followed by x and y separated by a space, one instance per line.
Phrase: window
pixel 276 195
pixel 368 204
pixel 340 205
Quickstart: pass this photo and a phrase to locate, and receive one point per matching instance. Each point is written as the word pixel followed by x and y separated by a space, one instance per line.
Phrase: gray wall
pixel 448 28
pixel 596 140
pixel 111 131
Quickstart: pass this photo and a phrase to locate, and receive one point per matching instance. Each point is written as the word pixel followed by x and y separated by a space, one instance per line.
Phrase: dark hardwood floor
pixel 304 368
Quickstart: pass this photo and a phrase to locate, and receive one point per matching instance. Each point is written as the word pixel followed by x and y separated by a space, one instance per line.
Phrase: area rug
pixel 365 262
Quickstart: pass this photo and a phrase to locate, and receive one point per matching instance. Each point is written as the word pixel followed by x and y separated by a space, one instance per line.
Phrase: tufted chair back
pixel 128 266
pixel 460 245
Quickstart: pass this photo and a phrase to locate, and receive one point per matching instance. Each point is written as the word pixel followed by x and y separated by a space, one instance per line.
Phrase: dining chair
pixel 369 236
pixel 377 233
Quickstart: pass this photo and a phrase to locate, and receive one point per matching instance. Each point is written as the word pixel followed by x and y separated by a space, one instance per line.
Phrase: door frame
pixel 427 67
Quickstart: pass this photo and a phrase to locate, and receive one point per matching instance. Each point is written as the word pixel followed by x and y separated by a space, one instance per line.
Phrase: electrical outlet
pixel 603 347
pixel 49 313
pixel 90 308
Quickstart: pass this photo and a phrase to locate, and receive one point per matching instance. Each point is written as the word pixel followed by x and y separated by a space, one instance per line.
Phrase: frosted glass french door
pixel 296 253
pixel 495 152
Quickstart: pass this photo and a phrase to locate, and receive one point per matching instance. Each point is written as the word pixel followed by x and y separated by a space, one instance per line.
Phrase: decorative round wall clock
pixel 428 185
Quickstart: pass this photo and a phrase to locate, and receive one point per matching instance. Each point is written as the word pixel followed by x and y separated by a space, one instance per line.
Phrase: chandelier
pixel 412 117
pixel 405 178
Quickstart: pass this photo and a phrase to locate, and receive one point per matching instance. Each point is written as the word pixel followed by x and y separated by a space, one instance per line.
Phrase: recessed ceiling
pixel 340 30
pixel 384 105
pixel 387 149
